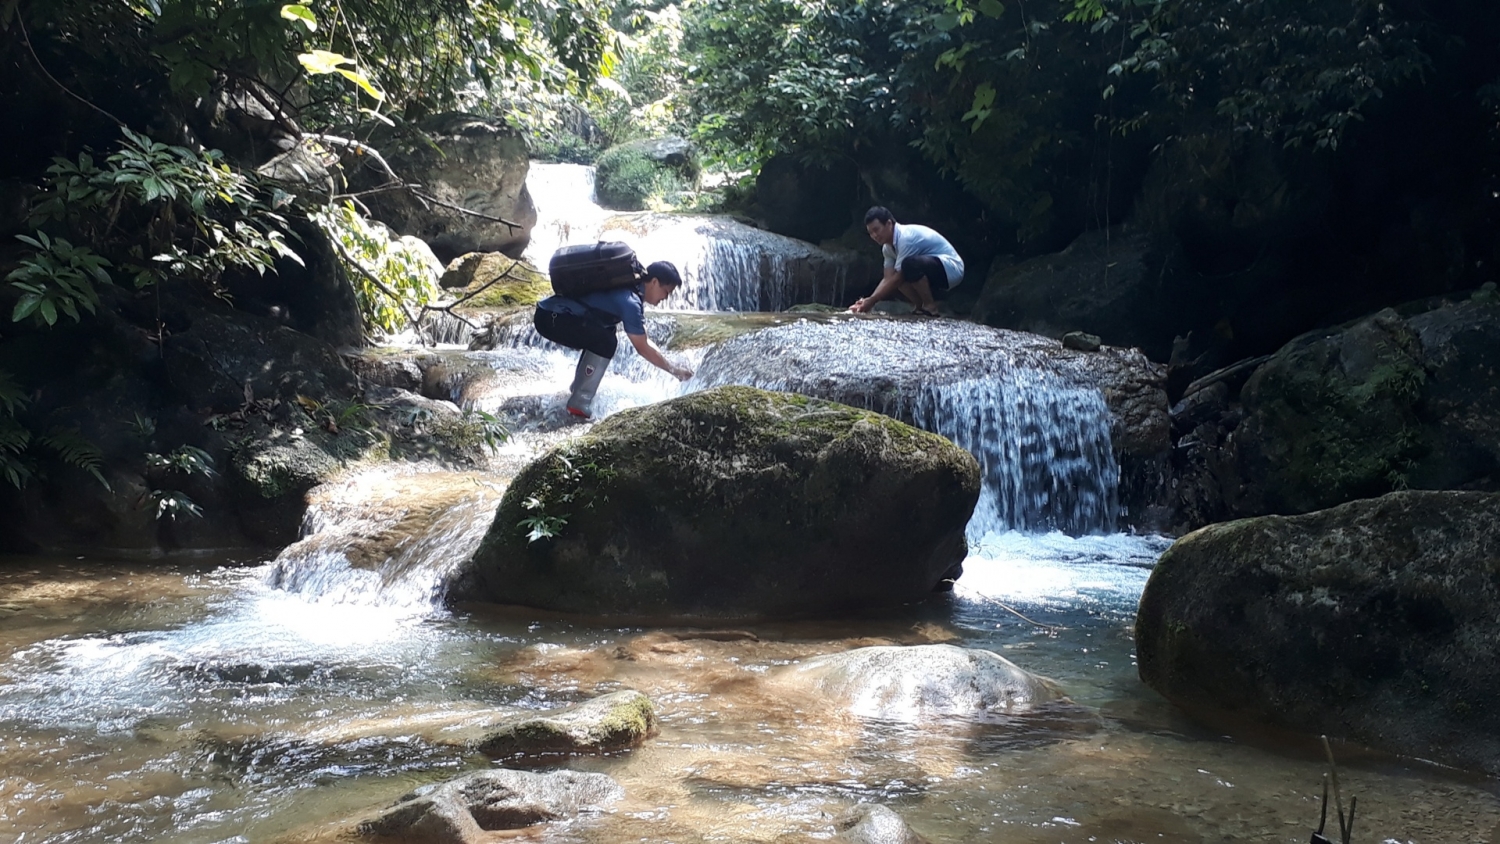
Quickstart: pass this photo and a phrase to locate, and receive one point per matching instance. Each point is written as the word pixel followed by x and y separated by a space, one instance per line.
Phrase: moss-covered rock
pixel 1333 417
pixel 1374 621
pixel 495 281
pixel 733 501
pixel 613 722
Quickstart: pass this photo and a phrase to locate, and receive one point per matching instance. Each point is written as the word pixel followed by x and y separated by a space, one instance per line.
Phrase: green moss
pixel 634 719
pixel 1341 436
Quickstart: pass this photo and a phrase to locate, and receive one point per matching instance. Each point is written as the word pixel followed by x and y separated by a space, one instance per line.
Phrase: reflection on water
pixel 199 705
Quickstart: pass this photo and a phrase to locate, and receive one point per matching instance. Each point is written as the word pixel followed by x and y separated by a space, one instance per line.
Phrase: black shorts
pixel 576 332
pixel 918 267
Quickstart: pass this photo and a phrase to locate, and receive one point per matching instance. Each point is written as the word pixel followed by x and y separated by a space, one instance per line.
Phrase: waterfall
pixel 725 264
pixel 565 209
pixel 1045 460
pixel 1043 442
pixel 386 538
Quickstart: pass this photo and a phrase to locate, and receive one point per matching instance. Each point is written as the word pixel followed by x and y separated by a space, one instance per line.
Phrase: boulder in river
pixel 1397 399
pixel 895 683
pixel 733 501
pixel 1374 621
pixel 609 723
pixel 468 809
pixel 1068 439
pixel 870 823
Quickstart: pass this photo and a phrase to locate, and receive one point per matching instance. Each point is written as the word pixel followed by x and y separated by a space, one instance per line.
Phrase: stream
pixel 211 699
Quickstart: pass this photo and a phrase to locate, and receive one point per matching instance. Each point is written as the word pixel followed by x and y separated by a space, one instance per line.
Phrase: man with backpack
pixel 586 320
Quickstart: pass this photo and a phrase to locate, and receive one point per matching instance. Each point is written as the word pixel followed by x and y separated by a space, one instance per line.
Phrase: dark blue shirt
pixel 622 304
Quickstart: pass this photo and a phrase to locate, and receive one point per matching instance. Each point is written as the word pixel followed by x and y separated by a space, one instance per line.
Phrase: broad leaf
pixel 319 62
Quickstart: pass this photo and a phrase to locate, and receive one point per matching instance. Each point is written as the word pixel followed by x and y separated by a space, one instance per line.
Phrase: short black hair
pixel 878 212
pixel 664 272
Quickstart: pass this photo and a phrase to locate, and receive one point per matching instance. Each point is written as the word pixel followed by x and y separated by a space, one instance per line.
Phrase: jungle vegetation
pixel 1046 116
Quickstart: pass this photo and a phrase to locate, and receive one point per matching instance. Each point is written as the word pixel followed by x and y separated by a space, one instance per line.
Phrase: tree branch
pixel 26 39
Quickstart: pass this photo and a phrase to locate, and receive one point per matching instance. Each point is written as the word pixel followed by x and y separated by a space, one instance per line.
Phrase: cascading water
pixel 565 209
pixel 1043 449
pixel 725 265
pixel 385 538
pixel 1043 444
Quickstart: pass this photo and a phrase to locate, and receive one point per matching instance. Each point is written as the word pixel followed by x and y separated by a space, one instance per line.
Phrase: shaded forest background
pixel 1278 165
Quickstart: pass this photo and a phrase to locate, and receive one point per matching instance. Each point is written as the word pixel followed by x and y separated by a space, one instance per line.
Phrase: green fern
pixel 12 397
pixel 75 450
pixel 14 439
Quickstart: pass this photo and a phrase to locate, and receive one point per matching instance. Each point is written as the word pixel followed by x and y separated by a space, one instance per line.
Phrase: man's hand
pixel 682 373
pixel 863 306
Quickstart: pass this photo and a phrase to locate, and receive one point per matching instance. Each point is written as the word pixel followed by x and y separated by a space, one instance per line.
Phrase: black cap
pixel 664 272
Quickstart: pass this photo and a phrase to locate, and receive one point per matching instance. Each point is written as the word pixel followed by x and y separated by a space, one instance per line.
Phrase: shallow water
pixel 191 702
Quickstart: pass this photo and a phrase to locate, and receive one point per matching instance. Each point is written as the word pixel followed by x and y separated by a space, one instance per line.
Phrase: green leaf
pixel 320 62
pixel 360 80
pixel 945 22
pixel 48 311
pixel 991 8
pixel 301 13
pixel 25 306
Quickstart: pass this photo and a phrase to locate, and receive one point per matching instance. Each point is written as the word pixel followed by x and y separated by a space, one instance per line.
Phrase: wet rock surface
pixel 733 501
pixel 607 724
pixel 894 365
pixel 393 525
pixel 1373 621
pixel 921 682
pixel 468 809
pixel 868 823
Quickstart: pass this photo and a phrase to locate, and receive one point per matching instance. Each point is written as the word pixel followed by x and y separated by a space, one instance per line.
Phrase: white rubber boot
pixel 586 379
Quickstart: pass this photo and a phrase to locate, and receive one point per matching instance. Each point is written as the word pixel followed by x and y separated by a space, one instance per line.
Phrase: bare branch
pixel 370 277
pixel 362 148
pixel 460 209
pixel 26 38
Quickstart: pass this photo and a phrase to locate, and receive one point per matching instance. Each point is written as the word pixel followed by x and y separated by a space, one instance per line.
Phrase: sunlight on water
pixel 566 212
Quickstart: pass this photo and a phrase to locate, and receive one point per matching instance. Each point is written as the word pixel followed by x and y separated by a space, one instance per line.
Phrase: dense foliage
pixel 1009 97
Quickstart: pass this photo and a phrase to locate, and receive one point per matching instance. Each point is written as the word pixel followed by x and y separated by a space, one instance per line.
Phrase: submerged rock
pixel 868 823
pixel 606 724
pixel 467 809
pixel 733 501
pixel 921 681
pixel 1374 621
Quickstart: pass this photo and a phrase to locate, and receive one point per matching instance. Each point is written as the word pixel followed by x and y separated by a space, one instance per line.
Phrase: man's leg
pixel 927 277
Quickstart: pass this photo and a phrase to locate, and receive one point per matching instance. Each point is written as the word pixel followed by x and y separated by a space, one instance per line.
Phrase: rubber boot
pixel 586 379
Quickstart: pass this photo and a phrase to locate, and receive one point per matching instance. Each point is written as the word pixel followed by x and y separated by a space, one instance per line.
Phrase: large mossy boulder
pixel 733 502
pixel 1398 399
pixel 1376 621
pixel 1332 417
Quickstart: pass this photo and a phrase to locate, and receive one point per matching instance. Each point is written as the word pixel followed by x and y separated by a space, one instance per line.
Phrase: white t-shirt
pixel 914 240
